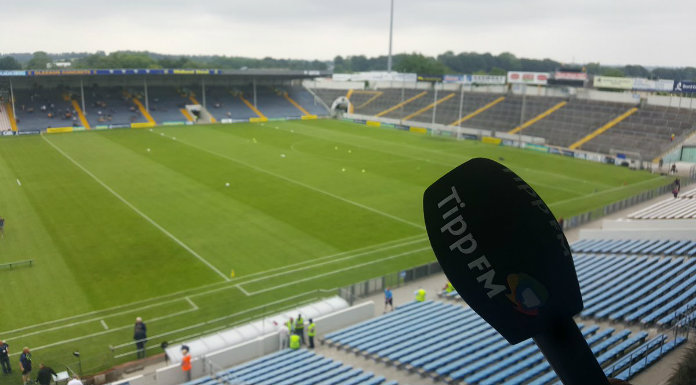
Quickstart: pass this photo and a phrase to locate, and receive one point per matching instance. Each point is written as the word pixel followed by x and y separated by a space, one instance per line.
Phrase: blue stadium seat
pixel 653 356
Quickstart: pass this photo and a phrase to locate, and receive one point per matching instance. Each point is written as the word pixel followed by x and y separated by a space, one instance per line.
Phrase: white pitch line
pixel 332 261
pixel 242 290
pixel 178 293
pixel 449 165
pixel 104 325
pixel 104 332
pixel 19 183
pixel 301 184
pixel 337 271
pixel 193 305
pixel 135 209
pixel 602 192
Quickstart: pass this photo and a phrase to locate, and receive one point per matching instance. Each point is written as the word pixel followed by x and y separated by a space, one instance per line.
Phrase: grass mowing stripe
pixel 374 248
pixel 459 159
pixel 605 191
pixel 143 215
pixel 339 271
pixel 332 261
pixel 301 184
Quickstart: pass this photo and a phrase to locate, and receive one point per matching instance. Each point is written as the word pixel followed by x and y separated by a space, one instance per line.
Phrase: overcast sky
pixel 647 32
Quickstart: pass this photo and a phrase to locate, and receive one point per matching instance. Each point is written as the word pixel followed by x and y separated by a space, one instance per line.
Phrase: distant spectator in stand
pixel 75 380
pixel 675 192
pixel 283 335
pixel 677 184
pixel 673 169
pixel 140 336
pixel 25 364
pixel 660 163
pixel 186 362
pixel 388 299
pixel 671 138
pixel 45 375
pixel 5 354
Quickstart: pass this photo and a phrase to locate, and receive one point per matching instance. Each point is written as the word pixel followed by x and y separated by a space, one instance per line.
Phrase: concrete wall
pixel 240 353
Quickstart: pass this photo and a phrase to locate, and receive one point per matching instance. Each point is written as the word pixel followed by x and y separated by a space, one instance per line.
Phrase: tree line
pixel 445 63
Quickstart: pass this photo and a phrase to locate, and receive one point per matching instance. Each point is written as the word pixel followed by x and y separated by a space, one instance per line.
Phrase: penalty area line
pixel 137 211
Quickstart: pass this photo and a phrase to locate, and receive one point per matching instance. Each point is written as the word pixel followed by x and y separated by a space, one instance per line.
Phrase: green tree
pixel 611 71
pixel 9 63
pixel 39 61
pixel 420 64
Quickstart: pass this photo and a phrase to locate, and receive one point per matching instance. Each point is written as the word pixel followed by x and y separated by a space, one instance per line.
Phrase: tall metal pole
pixel 203 90
pixel 522 111
pixel 147 100
pixel 14 112
pixel 254 84
pixel 391 30
pixel 82 96
pixel 434 102
pixel 461 104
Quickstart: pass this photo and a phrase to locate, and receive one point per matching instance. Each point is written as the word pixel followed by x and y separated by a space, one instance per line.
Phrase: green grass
pixel 117 232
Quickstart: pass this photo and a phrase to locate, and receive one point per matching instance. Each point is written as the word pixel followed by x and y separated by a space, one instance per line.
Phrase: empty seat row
pixel 290 367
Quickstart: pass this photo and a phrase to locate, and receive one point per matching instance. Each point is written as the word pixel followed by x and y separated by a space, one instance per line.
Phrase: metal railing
pixel 592 215
pixel 372 286
pixel 12 265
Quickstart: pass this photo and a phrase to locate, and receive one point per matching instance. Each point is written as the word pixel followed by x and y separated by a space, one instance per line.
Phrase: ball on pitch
pixel 282 155
pixel 227 184
pixel 148 150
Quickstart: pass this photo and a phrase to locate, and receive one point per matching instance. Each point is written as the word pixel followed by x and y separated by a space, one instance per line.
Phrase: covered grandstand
pixel 72 100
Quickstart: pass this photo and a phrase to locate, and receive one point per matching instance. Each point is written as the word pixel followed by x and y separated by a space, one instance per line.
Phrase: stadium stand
pixel 5 124
pixel 293 367
pixel 684 207
pixel 649 289
pixel 646 131
pixel 43 108
pixel 111 105
pixel 458 346
pixel 166 104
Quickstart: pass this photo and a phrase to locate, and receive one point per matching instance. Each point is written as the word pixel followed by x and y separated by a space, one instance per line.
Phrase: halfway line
pixel 143 215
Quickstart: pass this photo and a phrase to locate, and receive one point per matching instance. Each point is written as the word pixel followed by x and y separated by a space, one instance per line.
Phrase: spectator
pixel 75 380
pixel 25 364
pixel 388 299
pixel 675 192
pixel 140 336
pixel 283 335
pixel 45 375
pixel 299 328
pixel 420 295
pixel 673 169
pixel 186 362
pixel 311 332
pixel 291 325
pixel 294 342
pixel 5 351
pixel 448 288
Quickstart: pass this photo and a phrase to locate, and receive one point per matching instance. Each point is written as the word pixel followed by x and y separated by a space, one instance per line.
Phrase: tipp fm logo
pixel 526 293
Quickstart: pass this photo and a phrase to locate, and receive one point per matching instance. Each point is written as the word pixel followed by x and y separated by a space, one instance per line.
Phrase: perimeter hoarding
pixel 684 87
pixel 613 82
pixel 521 77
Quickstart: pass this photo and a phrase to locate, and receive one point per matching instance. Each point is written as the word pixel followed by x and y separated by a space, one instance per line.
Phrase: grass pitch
pixel 130 223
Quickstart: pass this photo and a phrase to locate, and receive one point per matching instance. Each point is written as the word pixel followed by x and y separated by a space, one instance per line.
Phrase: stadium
pixel 217 204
